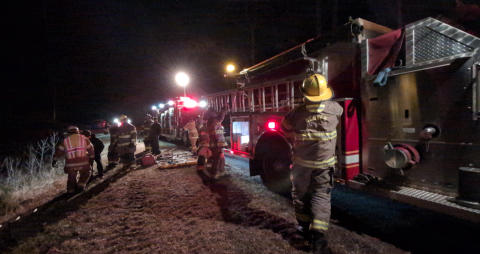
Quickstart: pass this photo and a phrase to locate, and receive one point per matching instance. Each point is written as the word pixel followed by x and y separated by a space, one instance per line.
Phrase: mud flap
pixel 255 166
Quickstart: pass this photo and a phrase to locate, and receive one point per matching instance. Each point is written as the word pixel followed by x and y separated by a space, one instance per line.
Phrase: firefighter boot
pixel 320 244
pixel 303 229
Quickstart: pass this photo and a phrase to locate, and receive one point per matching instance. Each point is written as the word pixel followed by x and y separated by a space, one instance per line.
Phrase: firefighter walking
pixel 312 126
pixel 127 141
pixel 78 153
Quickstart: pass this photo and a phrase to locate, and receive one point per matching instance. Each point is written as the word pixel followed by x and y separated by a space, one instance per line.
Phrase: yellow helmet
pixel 315 88
pixel 123 118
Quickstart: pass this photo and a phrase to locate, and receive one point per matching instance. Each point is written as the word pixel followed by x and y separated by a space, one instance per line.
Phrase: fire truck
pixel 175 114
pixel 411 123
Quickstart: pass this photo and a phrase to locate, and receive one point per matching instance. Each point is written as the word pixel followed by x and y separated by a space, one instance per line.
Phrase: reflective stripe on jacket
pixel 314 129
pixel 127 135
pixel 77 149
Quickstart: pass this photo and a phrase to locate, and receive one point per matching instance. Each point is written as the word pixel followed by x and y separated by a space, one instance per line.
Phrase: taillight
pixel 272 125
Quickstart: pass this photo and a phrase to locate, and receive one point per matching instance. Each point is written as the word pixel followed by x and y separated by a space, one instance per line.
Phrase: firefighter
pixel 127 139
pixel 98 148
pixel 204 151
pixel 312 126
pixel 112 148
pixel 191 127
pixel 147 124
pixel 217 143
pixel 154 136
pixel 78 153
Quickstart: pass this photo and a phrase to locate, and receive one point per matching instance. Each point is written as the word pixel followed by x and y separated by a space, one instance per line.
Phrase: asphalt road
pixel 406 227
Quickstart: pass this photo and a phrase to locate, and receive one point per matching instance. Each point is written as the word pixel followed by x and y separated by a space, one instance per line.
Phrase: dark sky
pixel 98 58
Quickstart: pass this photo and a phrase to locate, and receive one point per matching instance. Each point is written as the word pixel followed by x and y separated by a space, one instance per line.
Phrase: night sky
pixel 94 59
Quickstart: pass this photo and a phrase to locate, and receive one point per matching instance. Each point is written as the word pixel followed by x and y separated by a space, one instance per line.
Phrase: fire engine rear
pixel 176 114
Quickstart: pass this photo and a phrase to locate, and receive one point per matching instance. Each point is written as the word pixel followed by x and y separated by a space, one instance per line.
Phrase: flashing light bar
pixel 202 104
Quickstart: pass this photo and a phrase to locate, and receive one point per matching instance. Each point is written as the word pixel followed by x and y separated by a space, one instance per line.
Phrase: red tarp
pixel 383 50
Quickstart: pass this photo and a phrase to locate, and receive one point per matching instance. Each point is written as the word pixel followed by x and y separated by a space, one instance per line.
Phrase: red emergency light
pixel 188 102
pixel 272 125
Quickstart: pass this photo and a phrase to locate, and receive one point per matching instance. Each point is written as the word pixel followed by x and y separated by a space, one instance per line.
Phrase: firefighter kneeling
pixel 126 141
pixel 79 155
pixel 313 126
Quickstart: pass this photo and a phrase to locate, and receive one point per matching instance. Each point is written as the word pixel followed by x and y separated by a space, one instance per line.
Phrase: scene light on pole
pixel 230 68
pixel 182 80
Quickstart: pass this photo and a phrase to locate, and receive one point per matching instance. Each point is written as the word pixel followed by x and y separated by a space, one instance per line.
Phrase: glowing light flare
pixel 188 102
pixel 154 107
pixel 170 103
pixel 202 104
pixel 272 125
pixel 129 121
pixel 230 68
pixel 182 79
pixel 161 105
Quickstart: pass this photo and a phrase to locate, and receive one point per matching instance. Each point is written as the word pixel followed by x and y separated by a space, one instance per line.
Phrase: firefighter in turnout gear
pixel 204 151
pixel 78 153
pixel 191 127
pixel 217 143
pixel 147 124
pixel 154 136
pixel 312 127
pixel 112 148
pixel 127 141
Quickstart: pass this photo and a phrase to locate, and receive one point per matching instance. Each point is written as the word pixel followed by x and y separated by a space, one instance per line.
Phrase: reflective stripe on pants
pixel 311 193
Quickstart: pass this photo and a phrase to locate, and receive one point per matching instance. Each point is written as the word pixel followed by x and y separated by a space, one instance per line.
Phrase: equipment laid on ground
pixel 174 158
pixel 148 160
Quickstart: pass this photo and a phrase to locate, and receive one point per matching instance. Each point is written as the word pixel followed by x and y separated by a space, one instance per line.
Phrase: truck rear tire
pixel 275 164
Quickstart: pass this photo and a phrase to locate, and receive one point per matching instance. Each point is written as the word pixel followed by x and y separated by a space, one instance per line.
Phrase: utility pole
pixel 318 17
pixel 334 14
pixel 399 13
pixel 250 13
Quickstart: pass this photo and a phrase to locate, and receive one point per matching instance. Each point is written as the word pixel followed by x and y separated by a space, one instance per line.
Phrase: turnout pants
pixel 148 145
pixel 155 145
pixel 218 161
pixel 72 183
pixel 193 143
pixel 98 160
pixel 112 155
pixel 311 192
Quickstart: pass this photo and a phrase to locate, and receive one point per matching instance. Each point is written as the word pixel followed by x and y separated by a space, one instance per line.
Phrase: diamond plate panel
pixel 431 45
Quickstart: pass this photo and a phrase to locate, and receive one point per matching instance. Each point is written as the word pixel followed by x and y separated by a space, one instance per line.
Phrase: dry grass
pixel 173 211
pixel 29 179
